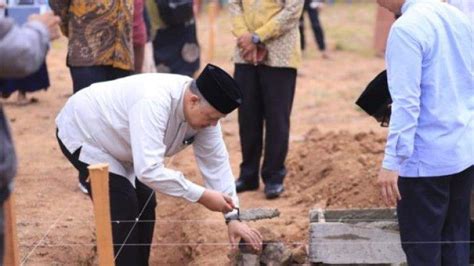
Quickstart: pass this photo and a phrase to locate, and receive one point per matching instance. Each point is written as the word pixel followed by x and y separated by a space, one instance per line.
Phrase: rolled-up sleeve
pixel 148 120
pixel 404 65
pixel 213 161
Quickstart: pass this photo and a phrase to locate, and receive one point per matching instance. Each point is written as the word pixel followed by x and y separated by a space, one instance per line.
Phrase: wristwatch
pixel 255 38
pixel 233 217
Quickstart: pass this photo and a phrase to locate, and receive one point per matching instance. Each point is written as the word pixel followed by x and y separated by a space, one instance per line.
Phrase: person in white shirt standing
pixel 132 124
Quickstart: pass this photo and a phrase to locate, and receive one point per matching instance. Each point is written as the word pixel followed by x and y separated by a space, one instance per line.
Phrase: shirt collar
pixel 180 111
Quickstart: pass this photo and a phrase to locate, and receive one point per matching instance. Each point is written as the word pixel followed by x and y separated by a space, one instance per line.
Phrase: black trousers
pixel 268 94
pixel 434 219
pixel 2 233
pixel 83 77
pixel 126 204
pixel 318 31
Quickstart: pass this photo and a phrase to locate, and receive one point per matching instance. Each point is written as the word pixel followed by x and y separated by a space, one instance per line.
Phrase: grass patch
pixel 350 27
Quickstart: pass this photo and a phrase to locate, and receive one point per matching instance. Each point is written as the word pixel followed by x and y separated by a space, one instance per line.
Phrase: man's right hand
pixel 50 21
pixel 216 201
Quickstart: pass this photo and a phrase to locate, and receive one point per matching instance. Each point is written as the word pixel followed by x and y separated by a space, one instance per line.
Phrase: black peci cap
pixel 219 89
pixel 375 99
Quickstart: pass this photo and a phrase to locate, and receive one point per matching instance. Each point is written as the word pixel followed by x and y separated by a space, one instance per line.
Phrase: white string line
pixel 170 161
pixel 38 244
pixel 205 220
pixel 156 244
pixel 353 242
pixel 135 224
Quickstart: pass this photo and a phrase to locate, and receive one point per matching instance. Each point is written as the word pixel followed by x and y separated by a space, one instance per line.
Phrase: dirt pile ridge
pixel 336 169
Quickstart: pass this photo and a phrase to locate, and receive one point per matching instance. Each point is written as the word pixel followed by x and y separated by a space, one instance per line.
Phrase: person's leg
pixel 455 235
pixel 313 14
pixel 116 73
pixel 124 209
pixel 278 87
pixel 22 100
pixel 146 225
pixel 80 166
pixel 301 29
pixel 2 232
pixel 421 215
pixel 139 56
pixel 471 230
pixel 250 123
pixel 83 77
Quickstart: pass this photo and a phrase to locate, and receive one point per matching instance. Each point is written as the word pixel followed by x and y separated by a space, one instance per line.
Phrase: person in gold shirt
pixel 266 58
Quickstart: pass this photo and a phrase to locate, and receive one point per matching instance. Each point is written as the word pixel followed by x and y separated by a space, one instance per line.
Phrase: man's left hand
pixel 251 236
pixel 388 182
pixel 245 43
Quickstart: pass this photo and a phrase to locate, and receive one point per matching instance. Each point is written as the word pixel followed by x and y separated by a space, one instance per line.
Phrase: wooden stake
pixel 99 176
pixel 213 6
pixel 11 255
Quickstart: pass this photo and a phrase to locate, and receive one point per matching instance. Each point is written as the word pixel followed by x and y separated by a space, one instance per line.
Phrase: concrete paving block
pixel 352 215
pixel 341 243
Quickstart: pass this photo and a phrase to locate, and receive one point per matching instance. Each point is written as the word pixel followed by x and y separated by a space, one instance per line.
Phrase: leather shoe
pixel 241 186
pixel 273 191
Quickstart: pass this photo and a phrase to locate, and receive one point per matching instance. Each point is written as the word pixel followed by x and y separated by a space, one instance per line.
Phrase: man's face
pixel 203 115
pixel 393 6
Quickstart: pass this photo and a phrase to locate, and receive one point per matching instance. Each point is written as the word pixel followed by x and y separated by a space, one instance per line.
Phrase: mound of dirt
pixel 337 170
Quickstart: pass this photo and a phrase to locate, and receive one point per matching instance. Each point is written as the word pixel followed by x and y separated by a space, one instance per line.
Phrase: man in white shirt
pixel 132 124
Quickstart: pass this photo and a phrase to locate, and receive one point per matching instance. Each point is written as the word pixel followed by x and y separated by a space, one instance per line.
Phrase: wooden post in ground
pixel 11 255
pixel 213 6
pixel 99 176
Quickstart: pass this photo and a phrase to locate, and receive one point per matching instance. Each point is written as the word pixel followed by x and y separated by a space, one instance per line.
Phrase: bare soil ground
pixel 334 155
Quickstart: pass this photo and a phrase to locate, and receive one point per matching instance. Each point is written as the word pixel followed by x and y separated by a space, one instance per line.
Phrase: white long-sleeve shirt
pixel 133 123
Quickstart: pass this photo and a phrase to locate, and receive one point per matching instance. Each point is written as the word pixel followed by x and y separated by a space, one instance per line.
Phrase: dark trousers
pixel 268 94
pixel 318 31
pixel 83 77
pixel 434 219
pixel 2 233
pixel 126 204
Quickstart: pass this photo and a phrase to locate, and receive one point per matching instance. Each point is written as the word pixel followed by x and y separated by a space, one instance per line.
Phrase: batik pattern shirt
pixel 99 31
